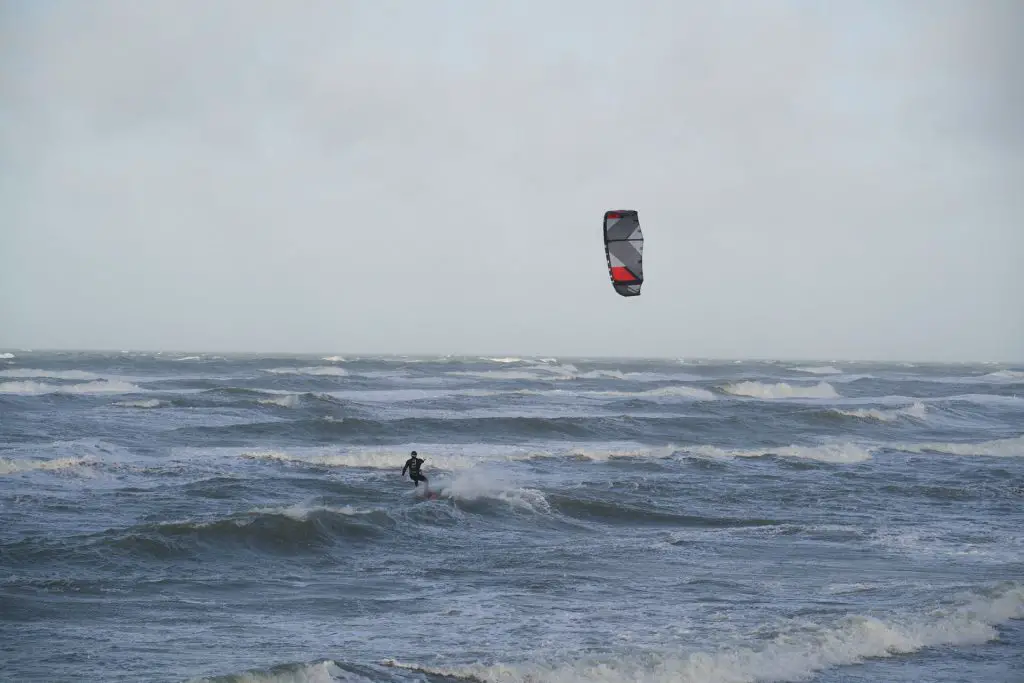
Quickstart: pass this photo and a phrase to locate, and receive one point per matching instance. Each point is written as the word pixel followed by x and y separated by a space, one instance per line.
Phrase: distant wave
pixel 333 359
pixel 533 372
pixel 839 453
pixel 682 391
pixel 241 397
pixel 316 370
pixel 97 387
pixel 1012 376
pixel 455 429
pixel 387 459
pixel 781 390
pixel 820 370
pixel 6 356
pixel 602 455
pixel 49 374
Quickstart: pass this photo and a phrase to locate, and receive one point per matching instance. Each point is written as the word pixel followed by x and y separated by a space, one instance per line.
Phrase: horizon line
pixel 506 354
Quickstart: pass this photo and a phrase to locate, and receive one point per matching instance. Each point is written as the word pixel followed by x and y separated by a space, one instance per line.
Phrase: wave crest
pixel 917 411
pixel 819 370
pixel 329 370
pixel 781 390
pixel 98 387
pixel 800 650
pixel 839 453
pixel 1002 448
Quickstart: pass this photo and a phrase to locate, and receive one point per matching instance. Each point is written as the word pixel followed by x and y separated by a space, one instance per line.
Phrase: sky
pixel 840 180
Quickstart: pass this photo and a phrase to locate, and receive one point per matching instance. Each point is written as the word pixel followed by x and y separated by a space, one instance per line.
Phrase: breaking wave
pixel 49 374
pixel 97 387
pixel 796 653
pixel 820 370
pixel 1012 376
pixel 781 390
pixel 150 403
pixel 682 391
pixel 840 453
pixel 315 370
pixel 10 466
pixel 286 401
pixel 917 411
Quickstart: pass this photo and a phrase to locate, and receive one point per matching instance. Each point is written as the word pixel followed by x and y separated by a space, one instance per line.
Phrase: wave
pixel 289 530
pixel 548 372
pixel 404 395
pixel 838 453
pixel 617 512
pixel 286 401
pixel 490 485
pixel 329 370
pixel 333 359
pixel 542 373
pixel 695 393
pixel 324 671
pixel 362 430
pixel 386 459
pixel 917 411
pixel 241 396
pixel 985 399
pixel 605 455
pixel 801 648
pixel 781 390
pixel 1012 376
pixel 49 374
pixel 6 356
pixel 979 546
pixel 480 456
pixel 302 512
pixel 150 403
pixel 11 466
pixel 1000 448
pixel 97 387
pixel 819 370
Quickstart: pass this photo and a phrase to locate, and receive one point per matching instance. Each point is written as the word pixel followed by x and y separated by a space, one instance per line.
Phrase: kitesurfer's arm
pixel 405 468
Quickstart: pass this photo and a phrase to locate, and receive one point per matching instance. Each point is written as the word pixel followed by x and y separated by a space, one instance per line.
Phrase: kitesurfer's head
pixel 413 454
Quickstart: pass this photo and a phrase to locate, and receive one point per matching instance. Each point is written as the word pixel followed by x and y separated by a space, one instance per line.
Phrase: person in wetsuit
pixel 413 465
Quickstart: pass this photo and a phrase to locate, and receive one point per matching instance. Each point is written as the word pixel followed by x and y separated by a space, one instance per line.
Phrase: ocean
pixel 201 517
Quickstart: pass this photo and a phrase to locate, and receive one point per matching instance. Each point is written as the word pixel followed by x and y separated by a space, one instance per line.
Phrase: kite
pixel 624 248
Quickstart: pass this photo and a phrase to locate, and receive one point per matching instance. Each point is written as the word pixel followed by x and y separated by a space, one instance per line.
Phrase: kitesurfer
pixel 413 465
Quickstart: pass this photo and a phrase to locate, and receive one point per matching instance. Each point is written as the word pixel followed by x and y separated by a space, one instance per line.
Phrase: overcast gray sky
pixel 814 179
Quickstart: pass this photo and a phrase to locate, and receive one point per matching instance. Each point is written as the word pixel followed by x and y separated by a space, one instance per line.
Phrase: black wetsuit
pixel 413 465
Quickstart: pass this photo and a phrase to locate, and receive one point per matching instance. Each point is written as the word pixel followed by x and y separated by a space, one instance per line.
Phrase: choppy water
pixel 170 517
